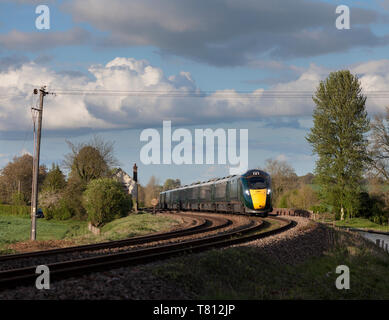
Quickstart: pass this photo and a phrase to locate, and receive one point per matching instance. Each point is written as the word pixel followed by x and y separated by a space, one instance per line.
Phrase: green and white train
pixel 249 193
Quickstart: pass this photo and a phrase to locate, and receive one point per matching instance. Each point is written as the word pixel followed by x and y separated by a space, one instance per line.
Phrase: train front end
pixel 256 192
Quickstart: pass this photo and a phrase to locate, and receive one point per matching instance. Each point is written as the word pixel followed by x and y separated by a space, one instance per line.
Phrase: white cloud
pixel 75 112
pixel 374 76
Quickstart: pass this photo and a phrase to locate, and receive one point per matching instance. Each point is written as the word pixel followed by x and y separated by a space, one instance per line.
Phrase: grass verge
pixel 361 223
pixel 15 231
pixel 250 273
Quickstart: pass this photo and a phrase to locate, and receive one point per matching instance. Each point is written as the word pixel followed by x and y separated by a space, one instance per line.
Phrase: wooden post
pixel 35 167
pixel 135 176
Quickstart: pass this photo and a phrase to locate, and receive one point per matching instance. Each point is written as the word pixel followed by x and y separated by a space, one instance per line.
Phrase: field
pixel 15 231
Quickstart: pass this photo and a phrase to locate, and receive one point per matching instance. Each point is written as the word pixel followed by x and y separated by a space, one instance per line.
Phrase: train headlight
pixel 268 191
pixel 247 192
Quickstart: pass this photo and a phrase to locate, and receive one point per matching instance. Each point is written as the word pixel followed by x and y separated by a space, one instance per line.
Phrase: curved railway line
pixel 228 232
pixel 198 225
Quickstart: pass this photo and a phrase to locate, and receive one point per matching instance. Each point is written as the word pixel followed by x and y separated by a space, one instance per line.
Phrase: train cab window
pixel 256 183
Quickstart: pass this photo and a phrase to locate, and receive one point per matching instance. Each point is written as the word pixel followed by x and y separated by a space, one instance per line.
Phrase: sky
pixel 226 64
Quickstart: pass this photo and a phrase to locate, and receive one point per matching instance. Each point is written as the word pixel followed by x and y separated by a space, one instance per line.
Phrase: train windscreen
pixel 256 182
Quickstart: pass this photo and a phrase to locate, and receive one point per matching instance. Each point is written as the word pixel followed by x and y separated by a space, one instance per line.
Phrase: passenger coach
pixel 249 193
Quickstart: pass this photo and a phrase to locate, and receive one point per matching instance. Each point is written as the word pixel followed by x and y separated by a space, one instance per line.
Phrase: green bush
pixel 73 195
pixel 18 199
pixel 61 211
pixel 379 219
pixel 105 200
pixel 283 202
pixel 14 210
pixel 319 208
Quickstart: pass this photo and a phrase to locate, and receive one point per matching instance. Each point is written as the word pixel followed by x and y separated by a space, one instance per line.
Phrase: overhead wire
pixel 218 94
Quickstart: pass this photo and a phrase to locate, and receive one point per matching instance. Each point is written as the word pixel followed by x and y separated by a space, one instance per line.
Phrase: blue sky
pixel 246 46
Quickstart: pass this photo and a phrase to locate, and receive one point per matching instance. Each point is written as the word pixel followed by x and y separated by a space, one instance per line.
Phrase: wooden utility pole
pixel 135 176
pixel 35 174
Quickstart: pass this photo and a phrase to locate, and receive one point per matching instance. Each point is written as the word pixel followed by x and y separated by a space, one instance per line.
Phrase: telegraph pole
pixel 35 174
pixel 135 176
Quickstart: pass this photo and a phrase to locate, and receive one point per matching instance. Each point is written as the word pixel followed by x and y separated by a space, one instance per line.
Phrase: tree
pixel 152 190
pixel 307 179
pixel 105 200
pixel 379 150
pixel 141 196
pixel 55 180
pixel 87 161
pixel 171 184
pixel 91 160
pixel 304 198
pixel 52 195
pixel 16 177
pixel 283 178
pixel 338 138
pixel 72 196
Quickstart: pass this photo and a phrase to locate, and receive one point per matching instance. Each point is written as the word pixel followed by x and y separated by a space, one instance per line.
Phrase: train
pixel 249 193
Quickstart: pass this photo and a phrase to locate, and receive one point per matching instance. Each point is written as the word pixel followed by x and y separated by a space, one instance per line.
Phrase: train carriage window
pixel 205 192
pixel 256 182
pixel 233 189
pixel 220 190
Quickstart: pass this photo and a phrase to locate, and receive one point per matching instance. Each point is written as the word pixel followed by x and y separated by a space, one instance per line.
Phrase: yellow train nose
pixel 258 197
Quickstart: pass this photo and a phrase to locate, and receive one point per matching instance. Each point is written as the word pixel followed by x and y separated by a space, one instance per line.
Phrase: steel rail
pixel 201 225
pixel 62 270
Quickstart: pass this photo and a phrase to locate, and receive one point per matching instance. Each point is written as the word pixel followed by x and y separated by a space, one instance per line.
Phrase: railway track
pixel 64 269
pixel 199 225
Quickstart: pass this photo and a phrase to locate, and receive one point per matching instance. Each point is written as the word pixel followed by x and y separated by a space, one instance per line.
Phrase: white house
pixel 126 180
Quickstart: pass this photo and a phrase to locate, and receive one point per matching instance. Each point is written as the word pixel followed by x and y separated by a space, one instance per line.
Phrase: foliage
pixel 319 208
pixel 60 211
pixel 16 176
pixel 338 138
pixel 303 197
pixel 307 179
pixel 283 178
pixel 171 184
pixel 105 200
pixel 14 210
pixel 49 199
pixel 283 203
pixel 91 160
pixel 379 150
pixel 73 198
pixel 55 180
pixel 152 190
pixel 141 196
pixel 18 199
